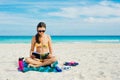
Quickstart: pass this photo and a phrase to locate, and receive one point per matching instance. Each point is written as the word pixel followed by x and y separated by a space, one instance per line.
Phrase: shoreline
pixel 69 42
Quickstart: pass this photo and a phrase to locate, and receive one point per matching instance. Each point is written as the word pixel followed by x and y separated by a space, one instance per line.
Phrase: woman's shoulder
pixel 48 36
pixel 33 38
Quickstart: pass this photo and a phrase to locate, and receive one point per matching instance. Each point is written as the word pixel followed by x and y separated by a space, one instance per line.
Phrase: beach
pixel 97 61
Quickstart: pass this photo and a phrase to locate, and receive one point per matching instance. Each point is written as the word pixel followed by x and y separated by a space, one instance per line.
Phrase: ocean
pixel 61 39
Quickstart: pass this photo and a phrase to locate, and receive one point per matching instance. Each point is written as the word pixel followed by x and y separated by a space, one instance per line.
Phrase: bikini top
pixel 41 45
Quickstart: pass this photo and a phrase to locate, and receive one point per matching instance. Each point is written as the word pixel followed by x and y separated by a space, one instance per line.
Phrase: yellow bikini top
pixel 40 45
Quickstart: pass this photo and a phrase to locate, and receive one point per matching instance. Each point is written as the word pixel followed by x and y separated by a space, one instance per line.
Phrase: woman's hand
pixel 32 56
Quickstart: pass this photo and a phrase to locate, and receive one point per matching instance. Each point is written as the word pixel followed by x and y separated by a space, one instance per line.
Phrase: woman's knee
pixel 53 59
pixel 28 59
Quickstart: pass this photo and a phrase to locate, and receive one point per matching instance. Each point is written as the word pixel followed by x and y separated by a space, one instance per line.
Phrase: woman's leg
pixel 32 61
pixel 51 59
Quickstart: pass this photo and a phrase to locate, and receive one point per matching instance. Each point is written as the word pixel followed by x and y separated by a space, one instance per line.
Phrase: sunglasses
pixel 41 30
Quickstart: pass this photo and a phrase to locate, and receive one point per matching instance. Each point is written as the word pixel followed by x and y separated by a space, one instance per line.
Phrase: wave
pixel 108 41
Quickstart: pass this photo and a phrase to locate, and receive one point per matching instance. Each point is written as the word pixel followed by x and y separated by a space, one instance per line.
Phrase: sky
pixel 62 17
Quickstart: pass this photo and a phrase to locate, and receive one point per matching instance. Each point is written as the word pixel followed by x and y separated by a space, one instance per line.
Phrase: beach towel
pixel 50 68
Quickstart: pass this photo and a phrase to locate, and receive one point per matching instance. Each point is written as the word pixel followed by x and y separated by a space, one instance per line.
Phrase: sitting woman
pixel 41 42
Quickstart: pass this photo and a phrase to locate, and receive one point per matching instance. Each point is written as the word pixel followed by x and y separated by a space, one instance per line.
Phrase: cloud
pixel 72 9
pixel 66 12
pixel 101 12
pixel 110 3
pixel 102 9
pixel 102 20
pixel 16 19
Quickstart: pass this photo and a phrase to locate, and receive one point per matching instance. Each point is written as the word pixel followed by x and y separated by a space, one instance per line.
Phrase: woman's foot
pixel 31 65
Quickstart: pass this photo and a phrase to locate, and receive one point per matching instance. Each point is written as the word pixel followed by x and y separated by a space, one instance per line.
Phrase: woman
pixel 41 42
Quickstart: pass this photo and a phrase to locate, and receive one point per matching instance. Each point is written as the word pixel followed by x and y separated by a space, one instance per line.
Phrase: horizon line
pixel 62 35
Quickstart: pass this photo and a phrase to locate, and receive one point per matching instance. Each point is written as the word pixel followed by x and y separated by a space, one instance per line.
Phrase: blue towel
pixel 49 68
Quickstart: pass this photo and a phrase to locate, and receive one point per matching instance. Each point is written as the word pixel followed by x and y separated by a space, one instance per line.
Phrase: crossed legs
pixel 37 63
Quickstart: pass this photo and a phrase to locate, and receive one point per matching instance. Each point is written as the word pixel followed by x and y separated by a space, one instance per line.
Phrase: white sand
pixel 96 62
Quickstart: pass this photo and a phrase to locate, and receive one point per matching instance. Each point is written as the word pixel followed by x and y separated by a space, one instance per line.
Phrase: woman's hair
pixel 40 25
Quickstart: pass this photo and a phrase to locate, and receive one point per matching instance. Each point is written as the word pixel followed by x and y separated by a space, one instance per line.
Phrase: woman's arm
pixel 32 46
pixel 50 45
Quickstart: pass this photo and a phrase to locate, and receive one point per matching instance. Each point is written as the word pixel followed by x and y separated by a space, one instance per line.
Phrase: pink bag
pixel 20 64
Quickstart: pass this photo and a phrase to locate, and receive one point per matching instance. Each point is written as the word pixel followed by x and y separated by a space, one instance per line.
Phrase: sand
pixel 97 61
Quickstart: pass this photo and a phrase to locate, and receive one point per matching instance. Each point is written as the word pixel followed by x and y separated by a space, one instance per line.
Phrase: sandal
pixel 72 63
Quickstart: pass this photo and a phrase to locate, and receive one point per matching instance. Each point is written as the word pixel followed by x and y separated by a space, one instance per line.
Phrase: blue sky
pixel 62 17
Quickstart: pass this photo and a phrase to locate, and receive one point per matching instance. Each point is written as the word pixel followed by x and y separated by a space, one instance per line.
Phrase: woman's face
pixel 41 30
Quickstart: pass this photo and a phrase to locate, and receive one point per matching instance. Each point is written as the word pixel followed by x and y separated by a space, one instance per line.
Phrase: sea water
pixel 61 39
